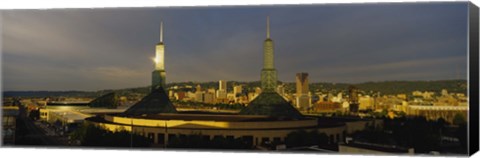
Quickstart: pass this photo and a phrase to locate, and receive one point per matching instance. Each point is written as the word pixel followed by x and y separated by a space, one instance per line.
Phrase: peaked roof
pixel 271 104
pixel 109 100
pixel 155 102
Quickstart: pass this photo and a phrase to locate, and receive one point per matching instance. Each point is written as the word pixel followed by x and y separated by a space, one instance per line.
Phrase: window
pixel 276 139
pixel 171 136
pixel 206 137
pixel 160 138
pixel 265 140
pixel 183 136
pixel 248 140
pixel 151 137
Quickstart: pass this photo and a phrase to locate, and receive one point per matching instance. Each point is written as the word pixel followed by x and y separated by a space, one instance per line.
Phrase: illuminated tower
pixel 158 75
pixel 157 100
pixel 269 102
pixel 269 74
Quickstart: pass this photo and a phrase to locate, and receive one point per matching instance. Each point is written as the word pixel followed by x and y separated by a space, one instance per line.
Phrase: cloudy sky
pixel 94 49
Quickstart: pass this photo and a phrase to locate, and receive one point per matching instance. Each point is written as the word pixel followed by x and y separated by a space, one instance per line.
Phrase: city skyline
pixel 85 52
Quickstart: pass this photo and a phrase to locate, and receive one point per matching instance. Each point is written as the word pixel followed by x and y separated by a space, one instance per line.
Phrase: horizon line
pixel 201 82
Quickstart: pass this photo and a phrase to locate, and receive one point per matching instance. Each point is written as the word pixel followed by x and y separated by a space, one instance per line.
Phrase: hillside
pixel 385 87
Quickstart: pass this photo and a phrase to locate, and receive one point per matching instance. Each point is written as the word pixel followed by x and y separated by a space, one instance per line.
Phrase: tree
pixel 461 134
pixel 197 141
pixel 459 119
pixel 34 114
pixel 92 135
pixel 417 132
pixel 304 138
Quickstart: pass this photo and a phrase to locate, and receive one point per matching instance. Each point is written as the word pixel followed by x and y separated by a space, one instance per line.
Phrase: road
pixel 46 137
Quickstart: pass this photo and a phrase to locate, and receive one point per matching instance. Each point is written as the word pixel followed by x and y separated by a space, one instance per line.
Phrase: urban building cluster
pixel 432 105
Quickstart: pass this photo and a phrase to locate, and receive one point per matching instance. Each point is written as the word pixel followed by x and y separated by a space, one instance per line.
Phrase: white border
pixel 49 4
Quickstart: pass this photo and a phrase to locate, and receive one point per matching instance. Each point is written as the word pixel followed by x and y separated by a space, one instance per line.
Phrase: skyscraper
pixel 269 74
pixel 302 83
pixel 237 89
pixel 159 75
pixel 303 99
pixel 222 85
pixel 222 89
pixel 353 99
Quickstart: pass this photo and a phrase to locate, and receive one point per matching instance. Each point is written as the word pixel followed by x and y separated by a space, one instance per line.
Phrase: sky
pixel 96 49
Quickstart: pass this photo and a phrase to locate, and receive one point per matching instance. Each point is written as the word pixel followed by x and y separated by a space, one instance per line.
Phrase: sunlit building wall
pixel 209 98
pixel 365 102
pixel 237 89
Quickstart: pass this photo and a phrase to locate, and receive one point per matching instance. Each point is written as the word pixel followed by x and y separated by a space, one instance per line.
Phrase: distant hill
pixel 395 87
pixel 47 93
pixel 385 87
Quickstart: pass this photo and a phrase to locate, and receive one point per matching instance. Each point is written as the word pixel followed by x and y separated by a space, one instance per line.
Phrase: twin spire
pixel 268 27
pixel 161 32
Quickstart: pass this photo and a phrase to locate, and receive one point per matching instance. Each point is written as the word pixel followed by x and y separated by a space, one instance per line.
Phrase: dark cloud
pixel 92 49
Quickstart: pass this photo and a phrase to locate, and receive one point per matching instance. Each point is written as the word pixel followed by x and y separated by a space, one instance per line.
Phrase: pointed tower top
pixel 161 32
pixel 268 26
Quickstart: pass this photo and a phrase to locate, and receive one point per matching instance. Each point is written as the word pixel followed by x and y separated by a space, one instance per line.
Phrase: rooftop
pixel 70 116
pixel 271 104
pixel 154 103
pixel 212 117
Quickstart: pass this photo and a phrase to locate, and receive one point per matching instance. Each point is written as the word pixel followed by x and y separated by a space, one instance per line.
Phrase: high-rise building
pixel 302 83
pixel 237 92
pixel 199 93
pixel 209 98
pixel 159 75
pixel 353 99
pixel 222 85
pixel 199 96
pixel 237 89
pixel 303 102
pixel 281 89
pixel 198 88
pixel 222 89
pixel 211 90
pixel 269 74
pixel 302 98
